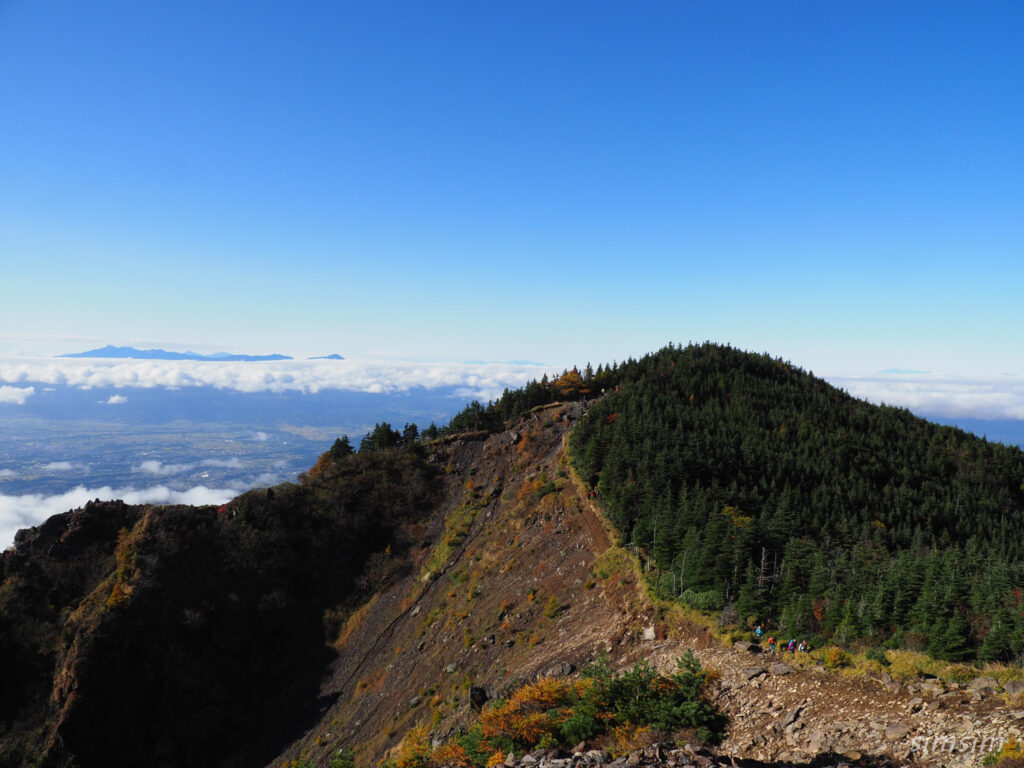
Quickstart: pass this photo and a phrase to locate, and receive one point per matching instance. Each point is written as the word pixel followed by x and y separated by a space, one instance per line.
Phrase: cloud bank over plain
pixel 156 467
pixel 58 466
pixel 15 395
pixel 926 393
pixel 476 380
pixel 17 512
pixel 936 394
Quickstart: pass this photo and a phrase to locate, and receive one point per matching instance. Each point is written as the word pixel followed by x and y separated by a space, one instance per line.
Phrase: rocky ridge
pixel 506 573
pixel 540 591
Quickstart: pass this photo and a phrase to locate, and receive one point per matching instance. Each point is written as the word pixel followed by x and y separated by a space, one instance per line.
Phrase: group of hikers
pixel 777 645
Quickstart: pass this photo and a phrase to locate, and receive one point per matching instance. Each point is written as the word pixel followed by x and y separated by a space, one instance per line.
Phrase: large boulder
pixel 980 683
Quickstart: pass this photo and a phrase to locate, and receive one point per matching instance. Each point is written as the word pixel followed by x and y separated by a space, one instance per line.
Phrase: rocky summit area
pixel 784 712
pixel 668 756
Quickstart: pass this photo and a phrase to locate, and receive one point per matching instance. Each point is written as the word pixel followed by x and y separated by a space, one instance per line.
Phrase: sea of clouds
pixel 926 393
pixel 942 395
pixel 486 381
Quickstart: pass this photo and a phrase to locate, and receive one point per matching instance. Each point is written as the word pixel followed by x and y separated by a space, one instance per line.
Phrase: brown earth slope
pixel 510 585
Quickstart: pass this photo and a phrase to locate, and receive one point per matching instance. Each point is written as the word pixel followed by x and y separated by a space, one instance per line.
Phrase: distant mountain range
pixel 328 357
pixel 131 353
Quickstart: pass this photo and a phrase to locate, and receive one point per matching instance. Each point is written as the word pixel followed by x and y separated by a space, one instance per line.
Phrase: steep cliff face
pixel 179 636
pixel 45 579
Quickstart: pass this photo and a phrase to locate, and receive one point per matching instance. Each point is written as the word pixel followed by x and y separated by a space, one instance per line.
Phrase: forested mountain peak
pixel 756 485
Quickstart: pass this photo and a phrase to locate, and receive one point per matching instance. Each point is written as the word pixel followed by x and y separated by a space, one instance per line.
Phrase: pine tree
pixel 342 447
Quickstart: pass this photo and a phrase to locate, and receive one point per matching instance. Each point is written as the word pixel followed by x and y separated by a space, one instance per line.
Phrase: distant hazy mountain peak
pixel 131 353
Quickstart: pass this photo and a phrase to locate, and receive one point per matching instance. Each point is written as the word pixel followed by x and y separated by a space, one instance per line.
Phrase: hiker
pixel 803 647
pixel 771 644
pixel 758 631
pixel 792 646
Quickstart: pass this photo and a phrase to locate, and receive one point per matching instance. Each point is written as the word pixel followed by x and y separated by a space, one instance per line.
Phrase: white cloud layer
pixel 481 380
pixel 58 466
pixel 934 394
pixel 116 400
pixel 233 463
pixel 17 512
pixel 15 395
pixel 8 473
pixel 153 467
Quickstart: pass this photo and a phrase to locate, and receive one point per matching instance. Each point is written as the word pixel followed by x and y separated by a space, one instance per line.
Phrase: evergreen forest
pixel 755 487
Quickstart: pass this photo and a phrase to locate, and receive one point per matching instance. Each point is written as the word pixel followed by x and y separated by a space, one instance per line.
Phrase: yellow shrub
pixel 628 738
pixel 1011 750
pixel 452 754
pixel 527 716
pixel 835 658
pixel 413 751
pixel 553 607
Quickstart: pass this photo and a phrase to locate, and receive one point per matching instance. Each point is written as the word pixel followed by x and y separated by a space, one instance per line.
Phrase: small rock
pixel 817 742
pixel 490 640
pixel 415 702
pixel 915 703
pixel 792 717
pixel 780 669
pixel 509 643
pixel 415 611
pixel 749 673
pixel 422 645
pixel 560 669
pixel 745 647
pixel 580 748
pixel 649 633
pixel 897 731
pixel 450 669
pixel 1013 687
pixel 510 759
pixel 528 760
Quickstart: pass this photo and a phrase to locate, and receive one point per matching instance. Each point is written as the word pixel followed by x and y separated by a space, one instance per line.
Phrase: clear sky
pixel 840 184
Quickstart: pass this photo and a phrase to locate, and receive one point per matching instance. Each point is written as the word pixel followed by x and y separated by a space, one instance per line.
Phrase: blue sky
pixel 839 184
